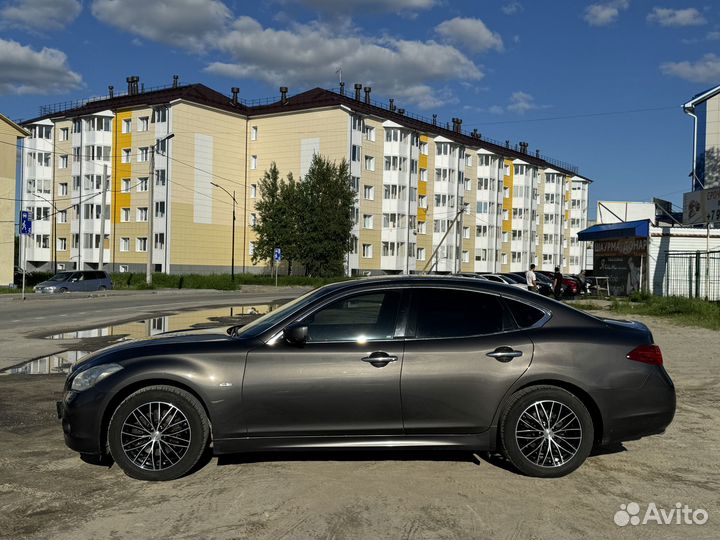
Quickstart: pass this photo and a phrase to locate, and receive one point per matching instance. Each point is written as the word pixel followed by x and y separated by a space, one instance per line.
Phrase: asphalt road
pixel 46 491
pixel 24 324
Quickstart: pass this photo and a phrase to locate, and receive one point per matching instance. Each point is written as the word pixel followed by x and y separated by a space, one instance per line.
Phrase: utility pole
pixel 102 218
pixel 151 207
pixel 454 221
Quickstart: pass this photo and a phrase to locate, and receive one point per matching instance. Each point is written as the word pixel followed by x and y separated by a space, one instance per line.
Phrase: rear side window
pixel 444 313
pixel 524 315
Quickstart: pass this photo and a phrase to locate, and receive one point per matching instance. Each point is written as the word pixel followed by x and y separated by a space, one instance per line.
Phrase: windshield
pixel 61 276
pixel 267 321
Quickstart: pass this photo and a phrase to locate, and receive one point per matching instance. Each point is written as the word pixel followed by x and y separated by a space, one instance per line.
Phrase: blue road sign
pixel 25 222
pixel 277 254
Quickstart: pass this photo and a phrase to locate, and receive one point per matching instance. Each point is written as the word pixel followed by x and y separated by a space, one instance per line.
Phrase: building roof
pixel 310 99
pixel 627 229
pixel 701 97
pixel 22 132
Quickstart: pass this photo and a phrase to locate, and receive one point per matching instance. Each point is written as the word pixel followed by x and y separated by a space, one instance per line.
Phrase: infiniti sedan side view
pixel 437 362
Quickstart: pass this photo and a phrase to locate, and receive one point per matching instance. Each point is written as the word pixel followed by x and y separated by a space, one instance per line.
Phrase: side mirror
pixel 296 334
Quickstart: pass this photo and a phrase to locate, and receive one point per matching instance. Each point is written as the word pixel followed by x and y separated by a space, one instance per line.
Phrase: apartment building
pixel 152 176
pixel 10 133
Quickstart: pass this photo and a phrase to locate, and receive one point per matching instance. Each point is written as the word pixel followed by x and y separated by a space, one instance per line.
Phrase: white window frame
pixel 138 245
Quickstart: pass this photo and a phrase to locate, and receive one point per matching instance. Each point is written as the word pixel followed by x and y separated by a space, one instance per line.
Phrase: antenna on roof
pixel 338 71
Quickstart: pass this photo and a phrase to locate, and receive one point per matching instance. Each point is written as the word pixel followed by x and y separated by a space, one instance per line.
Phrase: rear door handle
pixel 504 354
pixel 379 359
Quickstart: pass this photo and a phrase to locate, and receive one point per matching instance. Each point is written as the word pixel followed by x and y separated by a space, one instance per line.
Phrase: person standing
pixel 530 279
pixel 557 283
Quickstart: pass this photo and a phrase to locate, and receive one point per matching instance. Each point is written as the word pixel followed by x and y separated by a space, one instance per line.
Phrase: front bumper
pixel 81 418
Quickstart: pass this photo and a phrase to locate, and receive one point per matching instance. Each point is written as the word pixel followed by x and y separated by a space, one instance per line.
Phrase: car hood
pixel 128 348
pixel 50 283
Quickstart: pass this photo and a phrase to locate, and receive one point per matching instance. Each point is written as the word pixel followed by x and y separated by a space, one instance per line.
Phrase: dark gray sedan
pixel 444 363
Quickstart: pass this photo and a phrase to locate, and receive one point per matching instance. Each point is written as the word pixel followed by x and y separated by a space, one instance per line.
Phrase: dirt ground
pixel 46 491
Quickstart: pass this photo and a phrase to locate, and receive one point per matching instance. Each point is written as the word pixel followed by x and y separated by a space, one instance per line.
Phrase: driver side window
pixel 358 318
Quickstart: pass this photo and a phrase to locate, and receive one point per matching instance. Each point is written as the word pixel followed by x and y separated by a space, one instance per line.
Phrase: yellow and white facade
pixel 173 207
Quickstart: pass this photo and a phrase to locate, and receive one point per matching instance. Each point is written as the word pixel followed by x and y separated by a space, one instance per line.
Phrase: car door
pixel 344 380
pixel 463 352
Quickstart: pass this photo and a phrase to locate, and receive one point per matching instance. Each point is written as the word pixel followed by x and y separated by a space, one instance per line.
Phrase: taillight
pixel 648 354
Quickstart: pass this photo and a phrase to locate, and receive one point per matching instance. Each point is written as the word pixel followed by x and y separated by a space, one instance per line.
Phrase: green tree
pixel 325 199
pixel 271 215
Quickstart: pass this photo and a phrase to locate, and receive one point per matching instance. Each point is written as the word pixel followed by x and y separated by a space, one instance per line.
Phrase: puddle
pixel 93 339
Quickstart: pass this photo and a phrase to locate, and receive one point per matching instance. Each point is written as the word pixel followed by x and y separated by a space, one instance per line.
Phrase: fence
pixel 693 274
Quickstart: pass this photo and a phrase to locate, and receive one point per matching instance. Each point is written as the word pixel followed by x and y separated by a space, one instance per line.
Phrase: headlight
pixel 50 289
pixel 90 377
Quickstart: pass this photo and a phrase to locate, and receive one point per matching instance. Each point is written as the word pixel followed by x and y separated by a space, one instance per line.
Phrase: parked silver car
pixel 87 280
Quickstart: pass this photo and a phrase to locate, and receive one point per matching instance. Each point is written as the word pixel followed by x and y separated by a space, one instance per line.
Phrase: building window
pixel 160 177
pixel 76 183
pixel 62 216
pixel 141 244
pixel 123 268
pixel 160 209
pixel 63 188
pixel 126 155
pixel 420 254
pixel 465 256
pixel 63 162
pixel 357 123
pixel 369 133
pixel 466 232
pixel 159 240
pixel 253 162
pixel 143 154
pixel 253 191
pixel 251 249
pixel 61 244
pixel 421 228
pixel 369 193
pixel 64 134
pixel 253 219
pixel 144 123
pixel 124 215
pixel 142 184
pixel 125 244
pixel 369 163
pixel 355 153
pixel 159 115
pixel 253 133
pixel 142 214
pixel 127 125
pixel 125 185
pixel 367 221
pixel 367 251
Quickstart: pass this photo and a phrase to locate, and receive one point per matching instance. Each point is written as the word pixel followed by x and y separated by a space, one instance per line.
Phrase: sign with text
pixel 25 223
pixel 702 206
pixel 623 262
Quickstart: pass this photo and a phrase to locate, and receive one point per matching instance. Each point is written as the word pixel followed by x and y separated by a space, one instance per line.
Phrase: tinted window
pixel 524 314
pixel 362 317
pixel 444 313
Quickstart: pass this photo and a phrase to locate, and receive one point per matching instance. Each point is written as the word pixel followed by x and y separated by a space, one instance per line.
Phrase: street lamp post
pixel 232 251
pixel 151 207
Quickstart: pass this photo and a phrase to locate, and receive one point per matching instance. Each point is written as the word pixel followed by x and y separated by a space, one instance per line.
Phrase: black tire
pixel 554 446
pixel 63 290
pixel 102 288
pixel 129 435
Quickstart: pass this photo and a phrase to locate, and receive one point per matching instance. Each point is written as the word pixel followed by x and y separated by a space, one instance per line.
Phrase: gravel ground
pixel 47 492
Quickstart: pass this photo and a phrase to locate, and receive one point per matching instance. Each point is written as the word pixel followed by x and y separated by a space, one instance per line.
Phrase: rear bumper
pixel 633 414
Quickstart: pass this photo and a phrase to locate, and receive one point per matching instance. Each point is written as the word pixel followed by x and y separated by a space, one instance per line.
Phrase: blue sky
pixel 599 84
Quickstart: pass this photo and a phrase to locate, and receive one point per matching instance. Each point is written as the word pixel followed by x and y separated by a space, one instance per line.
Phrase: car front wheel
pixel 546 432
pixel 158 433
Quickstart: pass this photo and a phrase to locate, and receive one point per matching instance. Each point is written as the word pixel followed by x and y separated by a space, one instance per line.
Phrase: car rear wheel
pixel 102 288
pixel 158 433
pixel 546 432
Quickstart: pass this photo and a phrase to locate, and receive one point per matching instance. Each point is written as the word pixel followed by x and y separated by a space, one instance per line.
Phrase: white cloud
pixel 705 70
pixel 190 24
pixel 470 33
pixel 604 13
pixel 40 14
pixel 400 68
pixel 676 17
pixel 519 103
pixel 511 8
pixel 346 6
pixel 712 36
pixel 26 71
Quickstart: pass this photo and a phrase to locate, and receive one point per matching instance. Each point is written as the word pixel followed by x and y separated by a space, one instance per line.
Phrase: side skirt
pixel 477 441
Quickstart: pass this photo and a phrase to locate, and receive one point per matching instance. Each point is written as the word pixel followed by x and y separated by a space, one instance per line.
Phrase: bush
pixel 687 311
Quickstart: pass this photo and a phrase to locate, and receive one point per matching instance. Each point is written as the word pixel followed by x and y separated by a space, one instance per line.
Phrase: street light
pixel 232 256
pixel 151 207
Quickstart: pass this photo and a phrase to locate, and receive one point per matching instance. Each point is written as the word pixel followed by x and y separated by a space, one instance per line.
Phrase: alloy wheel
pixel 548 433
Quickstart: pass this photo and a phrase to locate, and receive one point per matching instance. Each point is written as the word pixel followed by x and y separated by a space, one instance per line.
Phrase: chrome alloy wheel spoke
pixel 155 435
pixel 548 433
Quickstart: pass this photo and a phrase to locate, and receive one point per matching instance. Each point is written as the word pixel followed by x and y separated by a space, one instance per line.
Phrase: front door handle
pixel 504 354
pixel 379 359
